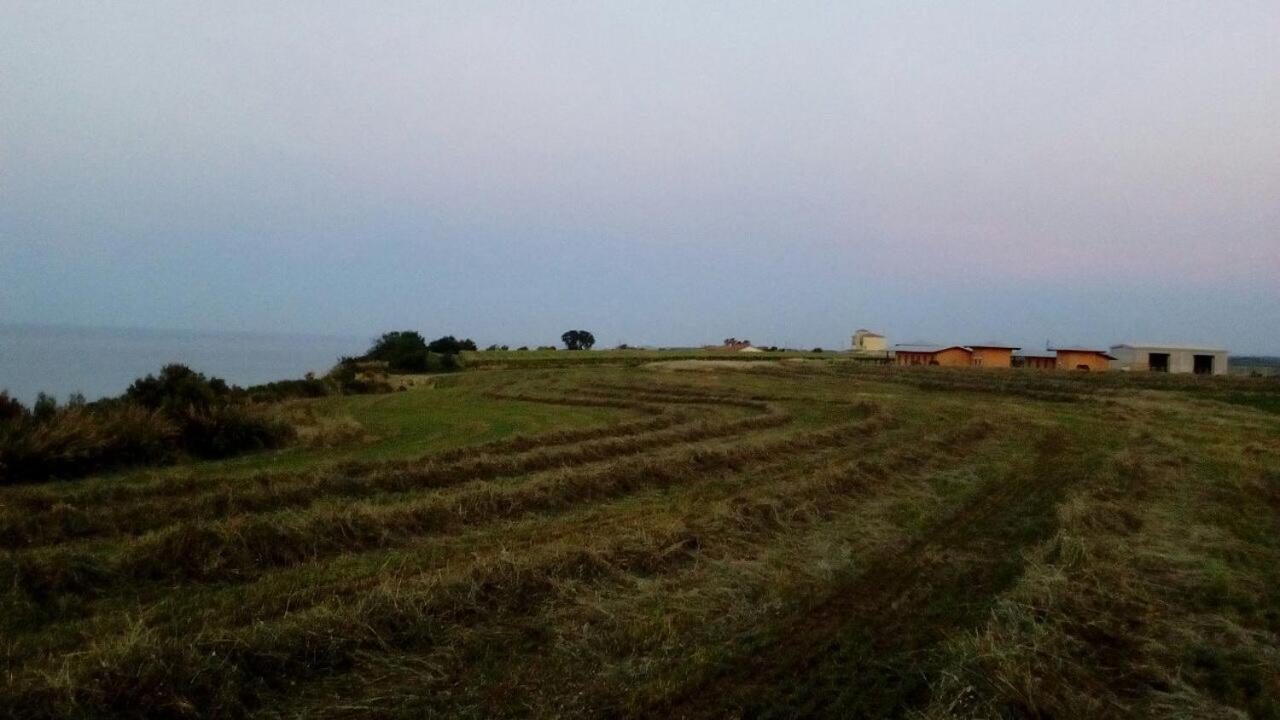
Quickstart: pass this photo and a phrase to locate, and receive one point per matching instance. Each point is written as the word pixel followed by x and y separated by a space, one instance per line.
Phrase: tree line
pixel 407 351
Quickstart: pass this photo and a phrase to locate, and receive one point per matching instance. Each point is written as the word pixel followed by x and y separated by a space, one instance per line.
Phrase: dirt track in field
pixel 857 654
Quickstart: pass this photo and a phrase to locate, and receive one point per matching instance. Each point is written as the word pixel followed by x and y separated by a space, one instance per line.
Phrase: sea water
pixel 101 362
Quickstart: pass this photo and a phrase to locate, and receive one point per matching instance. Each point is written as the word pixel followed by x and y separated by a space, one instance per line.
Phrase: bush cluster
pixel 308 387
pixel 159 419
pixel 406 351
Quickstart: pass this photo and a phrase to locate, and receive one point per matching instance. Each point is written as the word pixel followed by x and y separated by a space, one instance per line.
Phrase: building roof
pixel 928 348
pixel 1157 346
pixel 995 346
pixel 864 331
pixel 1078 349
pixel 1035 353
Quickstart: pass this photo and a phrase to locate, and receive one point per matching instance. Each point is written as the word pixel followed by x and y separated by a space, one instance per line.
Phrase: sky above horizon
pixel 657 173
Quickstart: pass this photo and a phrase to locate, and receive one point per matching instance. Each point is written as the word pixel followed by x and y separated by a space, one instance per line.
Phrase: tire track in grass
pixel 864 652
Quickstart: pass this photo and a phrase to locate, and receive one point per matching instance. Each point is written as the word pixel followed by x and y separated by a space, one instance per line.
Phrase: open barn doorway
pixel 1202 364
pixel 1158 362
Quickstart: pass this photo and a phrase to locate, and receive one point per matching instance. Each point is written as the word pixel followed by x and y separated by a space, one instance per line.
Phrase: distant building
pixel 867 341
pixel 1171 359
pixel 992 355
pixel 750 349
pixel 1038 359
pixel 947 355
pixel 1083 358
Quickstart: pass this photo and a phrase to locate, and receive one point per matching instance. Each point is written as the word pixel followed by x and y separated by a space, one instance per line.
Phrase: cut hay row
pixel 150 675
pixel 677 390
pixel 730 529
pixel 404 613
pixel 579 400
pixel 275 492
pixel 520 443
pixel 755 520
pixel 238 548
pixel 740 534
pixel 1033 384
pixel 680 398
pixel 44 498
pixel 910 570
pixel 291 589
pixel 645 504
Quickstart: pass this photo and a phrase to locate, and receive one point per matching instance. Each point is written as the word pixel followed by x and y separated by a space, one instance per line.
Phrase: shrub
pixel 355 377
pixel 44 408
pixel 77 441
pixel 308 387
pixel 225 430
pixel 10 408
pixel 158 419
pixel 177 386
pixel 322 429
pixel 403 351
pixel 449 345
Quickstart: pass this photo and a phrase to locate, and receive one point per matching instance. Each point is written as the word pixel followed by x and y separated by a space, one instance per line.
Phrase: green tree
pixel 402 351
pixel 578 339
pixel 450 345
pixel 178 387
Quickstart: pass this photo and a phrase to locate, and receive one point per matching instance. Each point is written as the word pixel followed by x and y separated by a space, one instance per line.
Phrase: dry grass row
pixel 237 548
pixel 235 669
pixel 267 492
pixel 45 497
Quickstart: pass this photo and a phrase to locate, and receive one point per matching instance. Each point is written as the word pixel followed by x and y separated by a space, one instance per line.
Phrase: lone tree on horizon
pixel 578 339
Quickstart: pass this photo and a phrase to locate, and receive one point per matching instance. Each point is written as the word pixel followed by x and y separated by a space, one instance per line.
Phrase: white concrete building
pixel 1170 358
pixel 867 341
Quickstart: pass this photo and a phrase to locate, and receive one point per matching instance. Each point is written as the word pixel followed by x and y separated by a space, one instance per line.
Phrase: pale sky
pixel 659 173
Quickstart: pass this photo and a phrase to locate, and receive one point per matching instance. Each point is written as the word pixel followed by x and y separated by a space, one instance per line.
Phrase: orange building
pixel 1087 359
pixel 992 355
pixel 1040 359
pixel 946 355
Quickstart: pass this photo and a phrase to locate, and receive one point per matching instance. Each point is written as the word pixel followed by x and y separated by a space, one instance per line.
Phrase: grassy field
pixel 548 537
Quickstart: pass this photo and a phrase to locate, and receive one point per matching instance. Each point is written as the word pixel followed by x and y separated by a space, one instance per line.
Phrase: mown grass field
pixel 600 539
